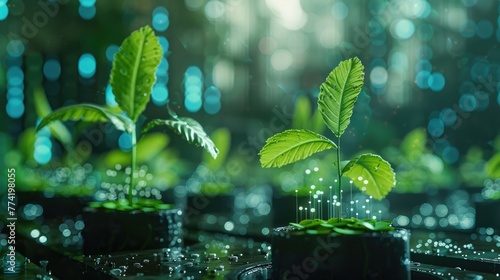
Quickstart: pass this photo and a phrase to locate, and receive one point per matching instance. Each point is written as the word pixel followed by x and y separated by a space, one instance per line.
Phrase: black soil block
pixel 108 231
pixel 378 255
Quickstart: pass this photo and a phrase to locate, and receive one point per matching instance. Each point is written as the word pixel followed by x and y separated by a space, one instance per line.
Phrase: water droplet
pixel 115 271
pixel 123 71
pixel 137 265
pixel 44 263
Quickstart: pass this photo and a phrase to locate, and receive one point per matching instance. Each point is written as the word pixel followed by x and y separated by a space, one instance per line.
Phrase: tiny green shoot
pixel 132 78
pixel 369 172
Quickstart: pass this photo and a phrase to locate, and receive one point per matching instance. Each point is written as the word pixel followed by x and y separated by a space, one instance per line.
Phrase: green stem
pixel 339 176
pixel 132 167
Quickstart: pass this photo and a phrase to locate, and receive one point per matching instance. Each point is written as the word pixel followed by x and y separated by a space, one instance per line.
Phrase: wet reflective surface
pixel 210 255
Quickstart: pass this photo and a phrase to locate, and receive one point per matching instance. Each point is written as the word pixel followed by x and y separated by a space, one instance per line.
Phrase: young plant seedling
pixel 132 78
pixel 369 172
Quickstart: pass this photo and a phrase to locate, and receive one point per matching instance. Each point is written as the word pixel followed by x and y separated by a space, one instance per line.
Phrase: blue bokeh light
pixel 111 51
pixel 484 29
pixel 42 154
pixel 196 90
pixel 483 100
pixel 87 3
pixel 378 77
pixel 448 116
pixel 15 108
pixel 15 48
pixel 4 11
pixel 404 28
pixel 15 76
pixel 159 96
pixel 377 7
pixel 498 98
pixel 162 69
pixel 378 39
pixel 469 3
pixel 469 30
pixel 192 102
pixel 480 70
pixel 193 81
pixel 423 65
pixel 160 19
pixel 43 140
pixel 450 154
pixel 427 10
pixel 212 91
pixel 399 59
pixel 193 71
pixel 162 79
pixel 340 10
pixel 436 81
pixel 212 104
pixel 44 131
pixel 87 65
pixel 439 145
pixel 164 44
pixel 14 61
pixel 52 69
pixel 422 79
pixel 125 141
pixel 87 13
pixel 160 10
pixel 467 102
pixel 110 97
pixel 435 127
pixel 15 93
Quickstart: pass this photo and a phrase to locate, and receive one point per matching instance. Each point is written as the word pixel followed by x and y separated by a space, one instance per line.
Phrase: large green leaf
pixel 292 145
pixel 339 93
pixel 190 130
pixel 88 113
pixel 42 108
pixel 134 71
pixel 371 172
